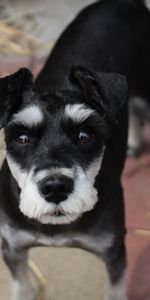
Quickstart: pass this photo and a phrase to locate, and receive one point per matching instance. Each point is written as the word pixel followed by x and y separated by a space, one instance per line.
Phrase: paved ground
pixel 71 274
pixel 75 274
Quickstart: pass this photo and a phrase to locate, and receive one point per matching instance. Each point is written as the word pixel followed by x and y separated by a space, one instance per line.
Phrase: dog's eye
pixel 23 139
pixel 84 137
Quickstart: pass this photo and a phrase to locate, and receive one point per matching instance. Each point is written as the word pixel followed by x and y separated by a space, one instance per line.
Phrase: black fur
pixel 118 33
pixel 11 90
pixel 115 31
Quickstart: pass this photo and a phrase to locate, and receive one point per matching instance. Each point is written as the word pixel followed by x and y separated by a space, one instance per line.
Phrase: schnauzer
pixel 66 135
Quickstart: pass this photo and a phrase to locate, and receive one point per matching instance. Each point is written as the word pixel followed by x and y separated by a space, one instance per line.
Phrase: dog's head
pixel 55 141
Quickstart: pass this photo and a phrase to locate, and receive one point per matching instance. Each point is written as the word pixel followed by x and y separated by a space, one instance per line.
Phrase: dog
pixel 66 137
pixel 60 183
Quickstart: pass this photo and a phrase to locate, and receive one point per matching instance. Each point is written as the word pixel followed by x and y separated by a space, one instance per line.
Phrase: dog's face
pixel 55 142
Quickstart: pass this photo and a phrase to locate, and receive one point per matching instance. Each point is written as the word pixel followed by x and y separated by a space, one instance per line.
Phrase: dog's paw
pixel 23 292
pixel 30 289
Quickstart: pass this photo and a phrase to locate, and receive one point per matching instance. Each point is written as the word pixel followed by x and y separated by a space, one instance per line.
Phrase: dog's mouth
pixel 56 213
pixel 58 216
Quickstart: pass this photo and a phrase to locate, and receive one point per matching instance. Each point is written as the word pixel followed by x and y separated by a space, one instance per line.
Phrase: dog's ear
pixel 11 91
pixel 107 92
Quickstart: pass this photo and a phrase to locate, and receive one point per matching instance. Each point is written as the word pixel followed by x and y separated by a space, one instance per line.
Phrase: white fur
pixel 54 171
pixel 82 199
pixel 94 168
pixel 84 196
pixel 78 112
pixel 147 3
pixel 17 237
pixel 100 243
pixel 32 204
pixel 116 291
pixel 17 172
pixel 66 219
pixel 29 116
pixel 23 290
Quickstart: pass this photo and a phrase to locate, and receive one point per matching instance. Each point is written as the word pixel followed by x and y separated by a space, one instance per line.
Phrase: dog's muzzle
pixel 56 188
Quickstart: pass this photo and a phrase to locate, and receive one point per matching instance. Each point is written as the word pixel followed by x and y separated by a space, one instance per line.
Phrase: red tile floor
pixel 136 182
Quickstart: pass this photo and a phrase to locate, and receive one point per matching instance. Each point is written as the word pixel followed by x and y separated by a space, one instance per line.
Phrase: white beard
pixel 82 199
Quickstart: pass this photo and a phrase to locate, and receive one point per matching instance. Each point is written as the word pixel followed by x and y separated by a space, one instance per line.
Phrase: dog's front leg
pixel 117 290
pixel 116 285
pixel 16 260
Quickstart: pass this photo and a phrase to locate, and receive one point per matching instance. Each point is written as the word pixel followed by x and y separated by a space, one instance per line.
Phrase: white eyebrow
pixel 30 116
pixel 78 112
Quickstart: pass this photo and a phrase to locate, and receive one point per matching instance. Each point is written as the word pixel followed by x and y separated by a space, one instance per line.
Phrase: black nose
pixel 56 189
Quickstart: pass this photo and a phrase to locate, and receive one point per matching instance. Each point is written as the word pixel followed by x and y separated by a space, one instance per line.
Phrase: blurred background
pixel 28 31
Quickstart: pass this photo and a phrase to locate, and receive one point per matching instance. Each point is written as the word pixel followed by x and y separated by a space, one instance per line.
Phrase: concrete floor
pixel 70 274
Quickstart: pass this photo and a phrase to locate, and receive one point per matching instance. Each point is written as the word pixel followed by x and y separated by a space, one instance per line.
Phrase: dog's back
pixel 106 36
pixel 110 36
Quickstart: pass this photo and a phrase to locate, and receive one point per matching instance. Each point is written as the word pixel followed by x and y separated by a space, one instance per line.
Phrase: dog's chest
pixel 21 238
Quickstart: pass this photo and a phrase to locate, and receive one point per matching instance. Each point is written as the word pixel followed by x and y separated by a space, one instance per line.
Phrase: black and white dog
pixel 66 145
pixel 60 183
